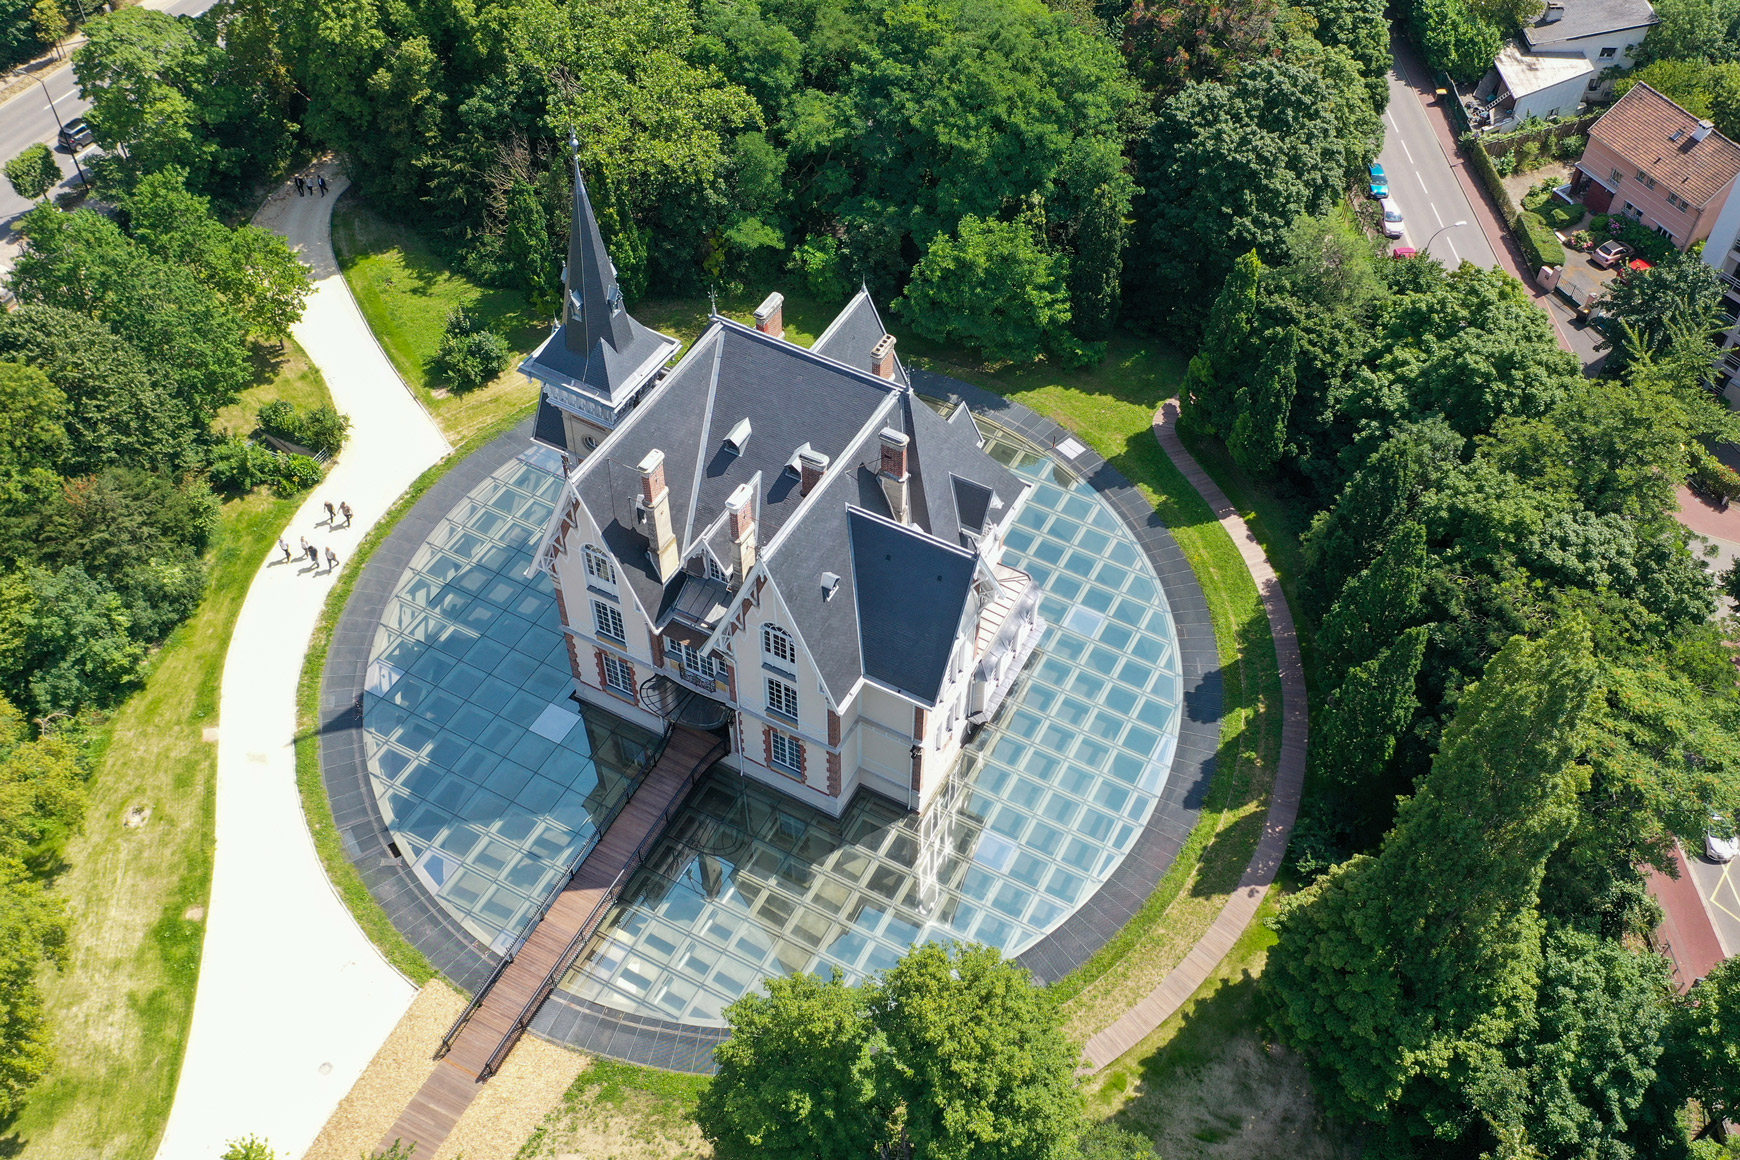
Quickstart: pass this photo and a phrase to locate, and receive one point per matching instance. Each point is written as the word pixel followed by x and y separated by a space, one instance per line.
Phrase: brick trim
pixel 632 693
pixel 833 729
pixel 833 775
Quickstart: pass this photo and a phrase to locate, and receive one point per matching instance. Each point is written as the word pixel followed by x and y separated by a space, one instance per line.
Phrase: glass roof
pixel 1046 802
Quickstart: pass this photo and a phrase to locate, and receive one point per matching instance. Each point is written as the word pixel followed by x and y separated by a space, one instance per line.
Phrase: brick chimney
pixel 770 315
pixel 812 465
pixel 894 475
pixel 882 357
pixel 741 509
pixel 654 515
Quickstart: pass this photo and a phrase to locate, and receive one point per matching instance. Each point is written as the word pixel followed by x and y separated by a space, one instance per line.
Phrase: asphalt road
pixel 1422 183
pixel 27 118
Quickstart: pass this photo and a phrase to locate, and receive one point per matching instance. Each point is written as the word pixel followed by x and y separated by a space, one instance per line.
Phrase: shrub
pixel 1505 164
pixel 321 430
pixel 819 261
pixel 239 466
pixel 1528 156
pixel 471 355
pixel 1650 246
pixel 1582 240
pixel 1570 148
pixel 1598 225
pixel 296 474
pixel 1488 170
pixel 1711 477
pixel 1557 214
pixel 33 172
pixel 1539 245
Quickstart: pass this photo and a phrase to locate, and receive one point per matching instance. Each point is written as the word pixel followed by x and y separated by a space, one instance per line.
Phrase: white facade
pixel 1722 253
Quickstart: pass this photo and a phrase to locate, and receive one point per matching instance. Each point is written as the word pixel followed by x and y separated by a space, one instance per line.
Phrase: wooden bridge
pixel 480 1041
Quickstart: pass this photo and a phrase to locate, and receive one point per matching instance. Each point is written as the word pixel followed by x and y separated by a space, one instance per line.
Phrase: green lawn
pixel 406 287
pixel 120 1009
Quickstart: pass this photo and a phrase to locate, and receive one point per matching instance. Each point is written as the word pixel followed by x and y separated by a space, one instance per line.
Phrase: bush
pixel 1711 477
pixel 471 355
pixel 33 172
pixel 239 466
pixel 296 474
pixel 321 430
pixel 1650 246
pixel 819 262
pixel 1539 245
pixel 1489 174
pixel 1570 148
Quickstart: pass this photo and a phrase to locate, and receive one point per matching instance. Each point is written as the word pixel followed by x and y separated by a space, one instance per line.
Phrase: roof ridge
pixel 701 445
pixel 833 473
pixel 859 373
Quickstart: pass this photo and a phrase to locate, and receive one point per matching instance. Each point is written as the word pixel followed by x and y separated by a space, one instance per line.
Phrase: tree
pixel 32 936
pixel 1692 30
pixel 1649 309
pixel 1368 714
pixel 1704 1059
pixel 42 794
pixel 993 286
pixel 137 68
pixel 116 413
pixel 1218 373
pixel 1259 434
pixel 50 22
pixel 975 1058
pixel 1094 210
pixel 795 1078
pixel 77 649
pixel 81 261
pixel 1376 605
pixel 1170 44
pixel 1703 89
pixel 1360 27
pixel 32 437
pixel 1107 1141
pixel 33 172
pixel 1402 976
pixel 1453 38
pixel 526 243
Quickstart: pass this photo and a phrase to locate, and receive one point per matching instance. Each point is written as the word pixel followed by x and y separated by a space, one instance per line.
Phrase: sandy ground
pixel 621 1125
pixel 512 1105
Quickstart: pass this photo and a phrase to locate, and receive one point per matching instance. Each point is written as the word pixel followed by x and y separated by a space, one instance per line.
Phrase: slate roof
pixel 1589 18
pixel 792 396
pixel 1656 135
pixel 912 592
pixel 856 329
pixel 549 427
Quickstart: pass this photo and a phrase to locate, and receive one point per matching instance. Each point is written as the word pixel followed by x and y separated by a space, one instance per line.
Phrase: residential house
pixel 1568 54
pixel 1654 162
pixel 788 542
pixel 1722 253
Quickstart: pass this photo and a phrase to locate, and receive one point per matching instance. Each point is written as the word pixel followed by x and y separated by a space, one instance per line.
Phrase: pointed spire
pixel 593 309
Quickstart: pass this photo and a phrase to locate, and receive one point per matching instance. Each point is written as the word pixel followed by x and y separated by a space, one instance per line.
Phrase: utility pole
pixel 72 147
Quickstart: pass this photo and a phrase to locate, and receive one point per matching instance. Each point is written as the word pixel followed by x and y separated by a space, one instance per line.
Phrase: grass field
pixel 406 288
pixel 120 1009
pixel 622 1112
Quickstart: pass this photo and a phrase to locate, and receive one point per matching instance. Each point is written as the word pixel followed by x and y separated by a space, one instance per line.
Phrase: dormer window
pixel 738 437
pixel 598 564
pixel 776 642
pixel 714 571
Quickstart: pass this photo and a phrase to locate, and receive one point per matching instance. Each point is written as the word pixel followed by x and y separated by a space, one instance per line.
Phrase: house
pixel 788 542
pixel 1654 162
pixel 1722 253
pixel 1567 55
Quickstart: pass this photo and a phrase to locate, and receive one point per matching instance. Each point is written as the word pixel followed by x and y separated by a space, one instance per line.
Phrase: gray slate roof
pixel 549 427
pixel 1588 18
pixel 856 329
pixel 792 396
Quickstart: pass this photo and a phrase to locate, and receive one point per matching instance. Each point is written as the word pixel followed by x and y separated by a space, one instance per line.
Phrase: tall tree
pixel 1364 720
pixel 1402 976
pixel 1650 309
pixel 33 172
pixel 1218 373
pixel 1376 605
pixel 32 433
pixel 1259 434
pixel 994 286
pixel 1170 44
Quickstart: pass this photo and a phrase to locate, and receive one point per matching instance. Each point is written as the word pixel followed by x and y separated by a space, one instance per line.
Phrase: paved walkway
pixel 293 1000
pixel 1163 1001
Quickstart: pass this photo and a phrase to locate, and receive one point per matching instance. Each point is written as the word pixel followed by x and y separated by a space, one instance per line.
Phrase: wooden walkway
pixel 1181 982
pixel 525 983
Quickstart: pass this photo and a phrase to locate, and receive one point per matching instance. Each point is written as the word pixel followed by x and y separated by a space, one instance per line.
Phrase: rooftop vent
pixel 1553 14
pixel 738 438
pixel 1702 131
pixel 830 585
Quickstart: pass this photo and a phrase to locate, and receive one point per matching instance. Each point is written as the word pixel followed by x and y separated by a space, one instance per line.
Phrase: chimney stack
pixel 882 357
pixel 1702 131
pixel 654 515
pixel 812 465
pixel 741 507
pixel 893 475
pixel 770 315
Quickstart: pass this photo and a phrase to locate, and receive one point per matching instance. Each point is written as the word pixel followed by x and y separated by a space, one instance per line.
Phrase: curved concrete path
pixel 293 999
pixel 1181 982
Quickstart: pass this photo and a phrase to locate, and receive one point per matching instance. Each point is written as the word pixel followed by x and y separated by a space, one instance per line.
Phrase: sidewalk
pixel 293 1000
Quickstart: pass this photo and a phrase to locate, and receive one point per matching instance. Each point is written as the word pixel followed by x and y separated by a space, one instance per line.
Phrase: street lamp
pixel 72 146
pixel 1427 248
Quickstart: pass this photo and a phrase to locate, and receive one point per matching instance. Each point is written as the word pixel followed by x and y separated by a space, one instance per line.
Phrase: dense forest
pixel 1526 699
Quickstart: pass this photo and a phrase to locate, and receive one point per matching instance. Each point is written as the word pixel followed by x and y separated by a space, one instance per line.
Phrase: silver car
pixel 1392 217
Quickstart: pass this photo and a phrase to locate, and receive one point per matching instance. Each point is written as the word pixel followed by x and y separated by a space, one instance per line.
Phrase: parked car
pixel 1611 251
pixel 76 134
pixel 1718 848
pixel 1380 184
pixel 1392 218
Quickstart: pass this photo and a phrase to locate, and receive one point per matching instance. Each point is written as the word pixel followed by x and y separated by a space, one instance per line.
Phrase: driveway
pixel 293 999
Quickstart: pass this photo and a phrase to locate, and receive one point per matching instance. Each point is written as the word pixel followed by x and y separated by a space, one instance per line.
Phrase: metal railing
pixel 576 945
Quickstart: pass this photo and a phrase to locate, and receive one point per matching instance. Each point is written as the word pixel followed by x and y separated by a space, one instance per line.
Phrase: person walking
pixel 299 185
pixel 306 548
pixel 314 555
pixel 331 560
pixel 331 513
pixel 323 185
pixel 345 509
pixel 284 546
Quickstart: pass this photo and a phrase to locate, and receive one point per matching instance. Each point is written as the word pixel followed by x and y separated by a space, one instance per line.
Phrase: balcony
pixel 682 698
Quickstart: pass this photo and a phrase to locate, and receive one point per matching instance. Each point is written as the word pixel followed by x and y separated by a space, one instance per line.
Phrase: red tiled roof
pixel 1657 136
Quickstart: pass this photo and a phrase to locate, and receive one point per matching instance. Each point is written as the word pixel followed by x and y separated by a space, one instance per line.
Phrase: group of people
pixel 309 551
pixel 309 185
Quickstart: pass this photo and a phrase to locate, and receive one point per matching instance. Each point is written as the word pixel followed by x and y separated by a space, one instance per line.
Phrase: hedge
pixel 1482 162
pixel 1540 246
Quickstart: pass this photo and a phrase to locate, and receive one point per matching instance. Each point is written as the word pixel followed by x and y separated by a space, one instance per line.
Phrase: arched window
pixel 598 564
pixel 776 642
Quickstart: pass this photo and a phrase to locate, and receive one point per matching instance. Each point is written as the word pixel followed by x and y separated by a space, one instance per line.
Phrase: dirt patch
pixel 619 1112
pixel 511 1106
pixel 136 817
pixel 391 1078
pixel 1518 184
pixel 194 914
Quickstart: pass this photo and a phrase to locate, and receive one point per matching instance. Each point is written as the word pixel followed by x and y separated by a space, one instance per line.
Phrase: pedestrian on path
pixel 306 548
pixel 300 190
pixel 345 508
pixel 331 513
pixel 331 560
pixel 284 546
pixel 323 185
pixel 314 556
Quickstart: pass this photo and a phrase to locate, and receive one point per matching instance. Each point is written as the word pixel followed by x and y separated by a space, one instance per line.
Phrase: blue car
pixel 1380 185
